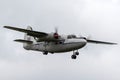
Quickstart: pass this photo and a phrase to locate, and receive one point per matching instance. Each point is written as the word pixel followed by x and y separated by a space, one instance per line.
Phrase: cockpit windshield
pixel 71 36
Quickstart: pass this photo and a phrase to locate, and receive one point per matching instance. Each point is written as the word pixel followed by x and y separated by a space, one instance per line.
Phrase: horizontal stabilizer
pixel 100 42
pixel 23 41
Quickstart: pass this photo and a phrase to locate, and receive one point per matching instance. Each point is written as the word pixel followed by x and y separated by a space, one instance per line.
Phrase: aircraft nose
pixel 82 42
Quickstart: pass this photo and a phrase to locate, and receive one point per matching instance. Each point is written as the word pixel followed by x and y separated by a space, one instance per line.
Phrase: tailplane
pixel 23 41
pixel 27 41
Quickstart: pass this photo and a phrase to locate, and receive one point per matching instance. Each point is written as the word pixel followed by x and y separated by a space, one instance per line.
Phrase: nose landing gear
pixel 75 54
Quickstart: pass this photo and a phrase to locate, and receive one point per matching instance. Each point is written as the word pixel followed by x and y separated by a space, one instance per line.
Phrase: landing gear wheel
pixel 45 53
pixel 73 56
pixel 76 53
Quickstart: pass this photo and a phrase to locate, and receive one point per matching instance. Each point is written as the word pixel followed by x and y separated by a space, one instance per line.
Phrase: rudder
pixel 28 38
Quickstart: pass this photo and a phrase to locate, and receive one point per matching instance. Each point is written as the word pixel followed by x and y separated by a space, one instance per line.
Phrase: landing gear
pixel 75 54
pixel 45 53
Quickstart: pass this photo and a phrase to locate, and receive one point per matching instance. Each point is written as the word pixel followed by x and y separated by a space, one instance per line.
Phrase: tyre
pixel 45 53
pixel 73 56
pixel 76 53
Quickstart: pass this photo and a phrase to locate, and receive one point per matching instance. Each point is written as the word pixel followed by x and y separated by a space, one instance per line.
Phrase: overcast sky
pixel 99 19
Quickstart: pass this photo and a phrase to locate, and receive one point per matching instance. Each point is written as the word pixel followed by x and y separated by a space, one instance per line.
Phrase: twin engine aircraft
pixel 53 42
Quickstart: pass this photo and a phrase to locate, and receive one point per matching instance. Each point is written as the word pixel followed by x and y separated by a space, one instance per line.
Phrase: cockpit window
pixel 71 36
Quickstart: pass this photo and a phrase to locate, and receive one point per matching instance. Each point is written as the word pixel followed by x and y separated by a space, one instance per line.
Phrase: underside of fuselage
pixel 66 47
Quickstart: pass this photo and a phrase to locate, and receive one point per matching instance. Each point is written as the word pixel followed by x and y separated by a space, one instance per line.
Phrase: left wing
pixel 29 32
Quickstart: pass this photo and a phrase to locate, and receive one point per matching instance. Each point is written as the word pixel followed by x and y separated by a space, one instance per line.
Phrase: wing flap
pixel 29 32
pixel 100 42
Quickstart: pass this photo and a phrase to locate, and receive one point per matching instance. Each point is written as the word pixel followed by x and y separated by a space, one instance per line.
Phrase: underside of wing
pixel 100 42
pixel 29 32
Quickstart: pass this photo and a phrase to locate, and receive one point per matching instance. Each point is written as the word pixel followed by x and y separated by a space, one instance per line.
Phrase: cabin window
pixel 71 36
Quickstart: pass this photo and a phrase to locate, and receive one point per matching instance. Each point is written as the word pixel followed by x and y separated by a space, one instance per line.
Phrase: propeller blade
pixel 56 30
pixel 56 35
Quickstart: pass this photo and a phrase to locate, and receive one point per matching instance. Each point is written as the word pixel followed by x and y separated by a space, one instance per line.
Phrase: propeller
pixel 85 37
pixel 56 35
pixel 56 30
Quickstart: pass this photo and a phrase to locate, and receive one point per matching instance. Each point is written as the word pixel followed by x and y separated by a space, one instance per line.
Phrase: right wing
pixel 29 32
pixel 100 42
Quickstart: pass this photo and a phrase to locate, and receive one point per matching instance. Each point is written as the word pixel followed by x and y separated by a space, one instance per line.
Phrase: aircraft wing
pixel 100 42
pixel 29 32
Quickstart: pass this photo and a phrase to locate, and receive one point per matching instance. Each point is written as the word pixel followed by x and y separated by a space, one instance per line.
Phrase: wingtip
pixel 114 43
pixel 5 26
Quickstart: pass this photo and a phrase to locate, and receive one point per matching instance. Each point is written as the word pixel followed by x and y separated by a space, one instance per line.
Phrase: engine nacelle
pixel 55 35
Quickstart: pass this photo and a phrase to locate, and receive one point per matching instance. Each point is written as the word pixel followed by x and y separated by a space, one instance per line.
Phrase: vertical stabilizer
pixel 28 38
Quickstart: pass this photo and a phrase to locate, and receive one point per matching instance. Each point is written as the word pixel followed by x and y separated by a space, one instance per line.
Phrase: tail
pixel 28 40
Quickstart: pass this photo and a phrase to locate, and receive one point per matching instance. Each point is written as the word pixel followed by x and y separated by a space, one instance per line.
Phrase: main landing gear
pixel 45 53
pixel 75 54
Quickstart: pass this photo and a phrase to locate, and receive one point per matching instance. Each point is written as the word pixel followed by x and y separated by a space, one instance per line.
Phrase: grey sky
pixel 99 19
